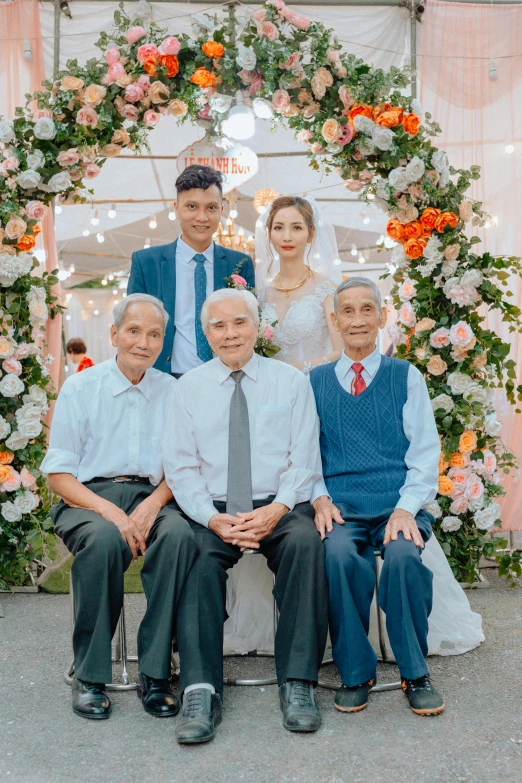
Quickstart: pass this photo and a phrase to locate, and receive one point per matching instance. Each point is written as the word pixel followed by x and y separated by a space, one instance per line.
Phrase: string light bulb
pixel 95 218
pixel 112 211
pixel 172 215
pixel 153 222
pixel 100 237
pixel 86 232
pixel 354 250
pixel 510 148
pixel 147 243
pixel 58 209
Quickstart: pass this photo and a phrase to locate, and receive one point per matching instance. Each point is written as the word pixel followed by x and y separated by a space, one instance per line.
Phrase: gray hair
pixel 230 293
pixel 120 310
pixel 357 282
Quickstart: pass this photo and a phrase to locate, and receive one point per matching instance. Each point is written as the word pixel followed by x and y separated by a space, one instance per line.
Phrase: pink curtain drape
pixel 479 117
pixel 19 21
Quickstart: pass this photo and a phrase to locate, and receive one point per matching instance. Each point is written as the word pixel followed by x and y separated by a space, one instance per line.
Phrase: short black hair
pixel 76 346
pixel 201 177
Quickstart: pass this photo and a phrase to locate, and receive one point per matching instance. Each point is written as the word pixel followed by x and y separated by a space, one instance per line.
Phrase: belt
pixel 122 480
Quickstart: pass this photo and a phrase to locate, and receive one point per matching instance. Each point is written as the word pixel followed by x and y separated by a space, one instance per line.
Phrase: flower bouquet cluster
pixel 265 344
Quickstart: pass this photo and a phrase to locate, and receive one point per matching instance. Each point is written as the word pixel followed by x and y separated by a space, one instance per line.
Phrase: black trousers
pixel 295 555
pixel 101 558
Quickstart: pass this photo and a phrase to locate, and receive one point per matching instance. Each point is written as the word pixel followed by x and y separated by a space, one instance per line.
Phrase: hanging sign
pixel 238 164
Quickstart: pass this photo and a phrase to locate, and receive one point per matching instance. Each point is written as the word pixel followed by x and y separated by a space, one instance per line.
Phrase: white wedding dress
pixel 303 336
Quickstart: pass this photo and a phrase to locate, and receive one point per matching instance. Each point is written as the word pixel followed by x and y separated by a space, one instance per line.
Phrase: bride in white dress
pixel 295 287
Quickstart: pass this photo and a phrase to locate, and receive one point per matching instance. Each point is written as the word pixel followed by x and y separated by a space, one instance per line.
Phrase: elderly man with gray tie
pixel 241 455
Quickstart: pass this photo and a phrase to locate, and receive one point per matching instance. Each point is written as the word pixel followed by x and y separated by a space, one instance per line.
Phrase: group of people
pixel 315 462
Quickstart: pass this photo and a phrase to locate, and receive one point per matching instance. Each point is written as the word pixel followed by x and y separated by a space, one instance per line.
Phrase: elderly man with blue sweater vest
pixel 380 451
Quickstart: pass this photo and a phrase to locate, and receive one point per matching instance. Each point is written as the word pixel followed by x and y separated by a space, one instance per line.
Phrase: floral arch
pixel 354 120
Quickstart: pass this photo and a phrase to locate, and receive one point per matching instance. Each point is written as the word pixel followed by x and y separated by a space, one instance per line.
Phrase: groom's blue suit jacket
pixel 153 272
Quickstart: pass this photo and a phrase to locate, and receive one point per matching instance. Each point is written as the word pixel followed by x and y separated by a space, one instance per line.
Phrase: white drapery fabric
pixel 94 329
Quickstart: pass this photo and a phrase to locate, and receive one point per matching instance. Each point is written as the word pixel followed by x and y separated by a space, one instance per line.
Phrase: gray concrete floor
pixel 477 740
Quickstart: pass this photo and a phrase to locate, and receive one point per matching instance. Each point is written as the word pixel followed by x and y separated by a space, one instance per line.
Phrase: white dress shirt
pixel 284 435
pixel 184 351
pixel 422 456
pixel 104 426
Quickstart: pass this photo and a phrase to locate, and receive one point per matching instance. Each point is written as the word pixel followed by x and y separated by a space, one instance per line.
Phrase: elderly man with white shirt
pixel 241 455
pixel 380 450
pixel 105 461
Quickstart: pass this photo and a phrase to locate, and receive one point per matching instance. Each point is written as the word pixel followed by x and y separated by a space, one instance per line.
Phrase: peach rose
pixel 129 111
pixel 171 63
pixel 267 29
pixel 411 124
pixel 15 227
pixel 35 210
pixel 70 82
pixel 445 219
pixel 158 92
pixel 120 136
pixel 311 110
pixel 151 117
pixel 414 248
pixel 321 80
pixel 461 334
pixel 87 117
pixel 458 476
pixel 451 252
pixel 304 136
pixel 134 34
pixel 203 78
pixel 110 151
pixel 443 465
pixel 213 50
pixel 90 170
pixel 424 325
pixel 446 486
pixel 353 185
pixel 407 290
pixel 480 361
pixel 259 16
pixel 331 130
pixel 421 354
pixel 146 51
pixel 467 442
pixel 436 365
pixel 94 94
pixel 177 108
pixel 440 338
pixel 280 100
pixel 13 366
pixel 6 457
pixel 395 230
pixel 5 472
pixel 295 19
pixel 13 480
pixel 459 505
pixel 474 488
pixel 465 211
pixel 27 478
pixel 458 460
pixel 428 218
pixel 346 96
pixel 407 314
pixel 68 157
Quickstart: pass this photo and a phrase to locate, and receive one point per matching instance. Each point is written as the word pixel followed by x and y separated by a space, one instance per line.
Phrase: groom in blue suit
pixel 183 273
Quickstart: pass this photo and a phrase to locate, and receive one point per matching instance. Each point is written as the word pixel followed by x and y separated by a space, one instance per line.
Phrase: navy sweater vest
pixel 363 444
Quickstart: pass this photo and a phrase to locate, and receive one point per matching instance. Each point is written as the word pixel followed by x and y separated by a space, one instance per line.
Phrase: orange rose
pixel 411 124
pixel 445 219
pixel 428 218
pixel 28 242
pixel 457 460
pixel 414 248
pixel 213 50
pixel 6 457
pixel 149 65
pixel 446 486
pixel 467 442
pixel 203 78
pixel 5 472
pixel 359 109
pixel 395 230
pixel 171 63
pixel 443 465
pixel 387 115
pixel 412 230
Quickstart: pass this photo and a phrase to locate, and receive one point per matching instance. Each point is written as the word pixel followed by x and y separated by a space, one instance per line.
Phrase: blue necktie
pixel 200 291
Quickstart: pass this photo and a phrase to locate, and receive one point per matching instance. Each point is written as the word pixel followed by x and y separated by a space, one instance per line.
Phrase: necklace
pixel 286 291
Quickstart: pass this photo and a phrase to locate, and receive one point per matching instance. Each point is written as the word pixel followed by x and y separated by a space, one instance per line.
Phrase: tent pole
pixel 56 60
pixel 413 46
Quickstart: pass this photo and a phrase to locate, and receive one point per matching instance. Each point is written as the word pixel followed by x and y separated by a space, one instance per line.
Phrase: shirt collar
pixel 370 363
pixel 187 253
pixel 250 369
pixel 120 384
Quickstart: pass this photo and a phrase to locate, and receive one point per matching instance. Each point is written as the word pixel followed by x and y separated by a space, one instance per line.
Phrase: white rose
pixel 458 382
pixel 365 146
pixel 434 509
pixel 26 502
pixel 221 103
pixel 449 268
pixel 363 124
pixel 23 263
pixel 7 133
pixel 5 428
pixel 450 524
pixel 203 21
pixel 492 426
pixel 9 350
pixel 36 293
pixel 37 396
pixel 473 277
pixel 486 518
pixel 442 401
pixel 28 411
pixel 36 159
pixel 398 179
pixel 17 441
pixel 59 182
pixel 381 189
pixel 398 256
pixel 396 334
pixel 475 393
pixel 415 169
pixel 28 179
pixel 44 128
pixel 38 312
pixel 8 270
pixel 439 161
pixel 433 249
pixel 382 137
pixel 246 57
pixel 10 512
pixel 30 428
pixel 11 385
pixel 416 107
pixel 444 178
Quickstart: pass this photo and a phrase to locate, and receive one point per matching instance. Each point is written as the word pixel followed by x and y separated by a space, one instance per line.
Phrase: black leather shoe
pixel 90 700
pixel 157 697
pixel 200 714
pixel 300 712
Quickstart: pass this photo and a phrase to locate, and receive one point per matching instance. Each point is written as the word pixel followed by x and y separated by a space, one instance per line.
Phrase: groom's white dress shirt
pixel 184 352
pixel 422 456
pixel 284 435
pixel 104 426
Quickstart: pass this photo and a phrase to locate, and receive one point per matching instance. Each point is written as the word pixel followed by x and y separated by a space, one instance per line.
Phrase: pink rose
pixel 134 34
pixel 27 479
pixel 365 176
pixel 246 76
pixel 280 100
pixel 133 93
pixel 130 112
pixel 354 185
pixel 257 83
pixel 87 117
pixel 268 333
pixel 260 16
pixel 170 46
pixel 35 210
pixel 90 170
pixel 151 117
pixel 407 315
pixel 112 55
pixel 440 337
pixel 490 461
pixel 11 164
pixel 204 113
pixel 146 51
pixel 297 20
pixel 407 290
pixel 269 30
pixel 316 148
pixel 292 62
pixel 474 487
pixel 461 334
pixel 143 81
pixel 240 281
pixel 13 366
pixel 346 135
pixel 304 136
pixel 333 56
pixel 12 483
pixel 68 157
pixel 42 113
pixel 346 96
pixel 22 349
pixel 459 505
pixel 459 478
pixel 115 71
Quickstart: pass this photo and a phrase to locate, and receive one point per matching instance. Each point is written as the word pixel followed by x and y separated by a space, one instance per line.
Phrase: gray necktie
pixel 239 483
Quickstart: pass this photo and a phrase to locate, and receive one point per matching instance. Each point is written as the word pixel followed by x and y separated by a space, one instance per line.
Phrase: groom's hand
pixel 223 524
pixel 259 523
pixel 326 513
pixel 402 521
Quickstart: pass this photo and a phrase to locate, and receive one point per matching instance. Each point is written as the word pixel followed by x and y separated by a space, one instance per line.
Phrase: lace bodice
pixel 301 333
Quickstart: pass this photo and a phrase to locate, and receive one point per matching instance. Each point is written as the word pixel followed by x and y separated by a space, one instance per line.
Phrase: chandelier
pixel 263 199
pixel 228 236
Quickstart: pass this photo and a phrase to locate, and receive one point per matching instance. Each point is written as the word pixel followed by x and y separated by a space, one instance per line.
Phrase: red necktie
pixel 358 383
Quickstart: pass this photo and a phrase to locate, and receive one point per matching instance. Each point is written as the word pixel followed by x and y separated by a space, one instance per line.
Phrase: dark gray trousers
pixel 102 557
pixel 295 555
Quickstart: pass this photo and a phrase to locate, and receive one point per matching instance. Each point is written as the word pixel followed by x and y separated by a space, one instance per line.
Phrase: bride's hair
pixel 284 202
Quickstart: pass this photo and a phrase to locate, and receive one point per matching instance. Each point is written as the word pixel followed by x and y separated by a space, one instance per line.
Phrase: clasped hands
pixel 248 528
pixel 135 527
